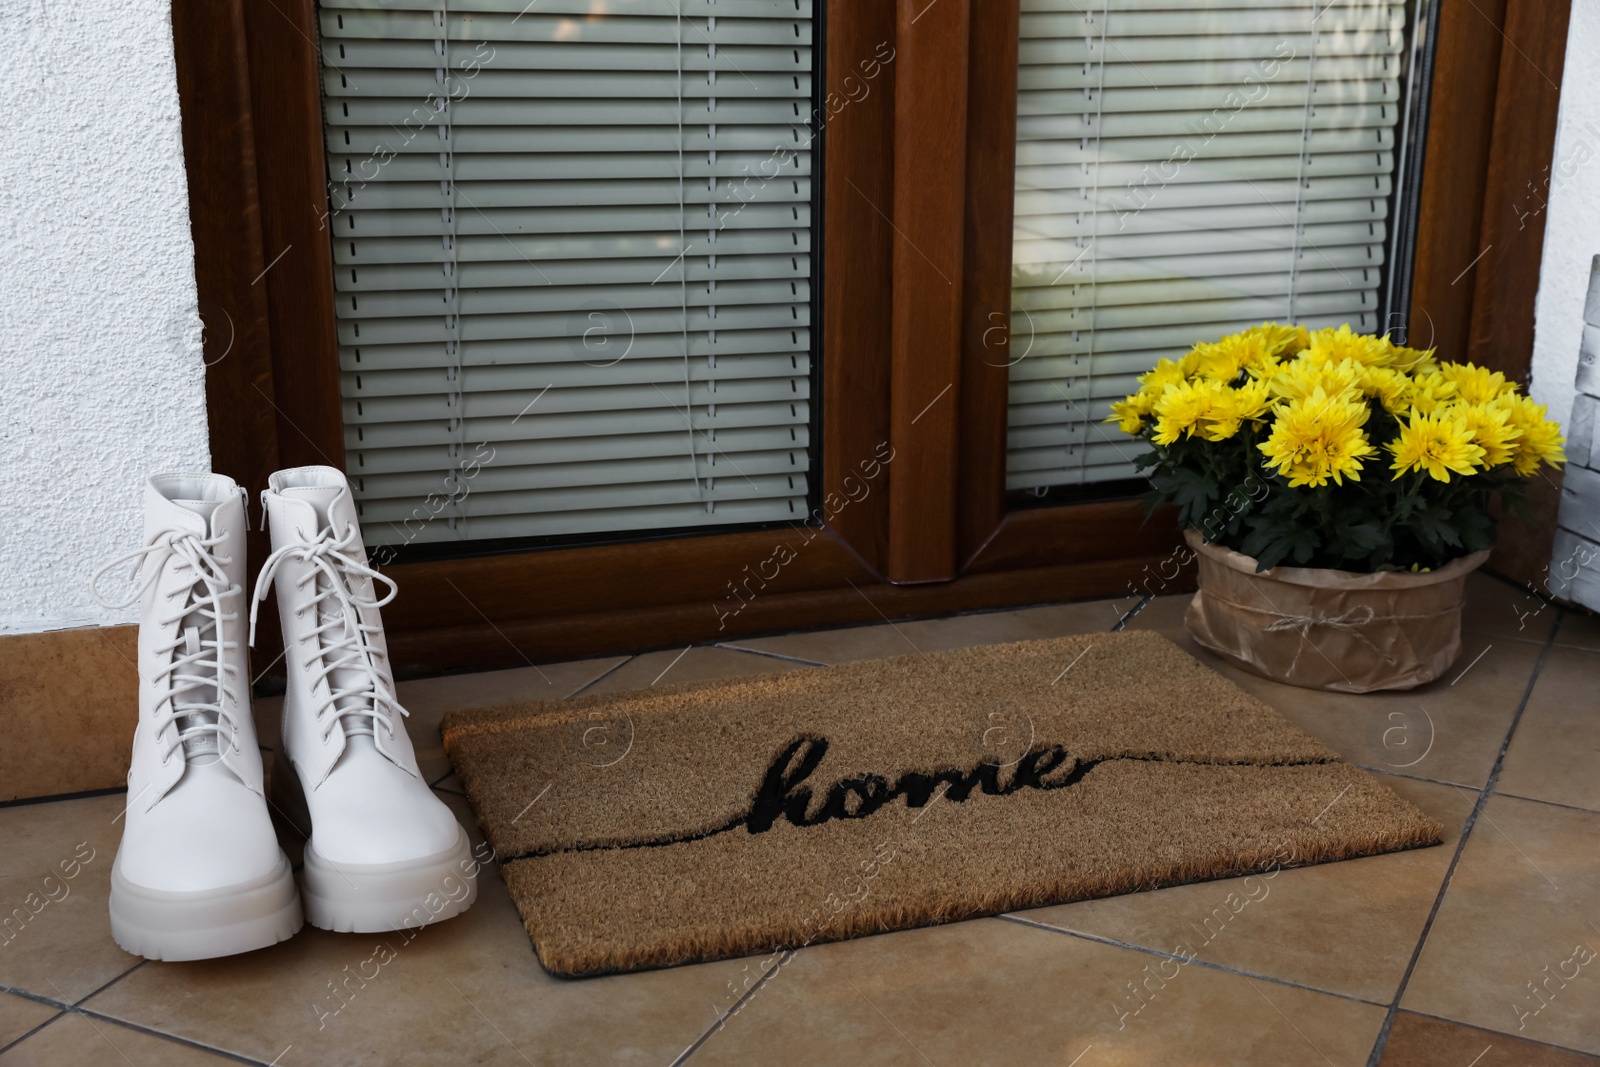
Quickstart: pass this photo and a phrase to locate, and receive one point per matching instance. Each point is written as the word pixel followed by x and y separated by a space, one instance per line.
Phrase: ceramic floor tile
pixel 1345 927
pixel 1162 613
pixel 1497 607
pixel 993 991
pixel 83 1040
pixel 55 879
pixel 701 663
pixel 1418 1041
pixel 1555 754
pixel 1449 730
pixel 1579 629
pixel 427 699
pixel 18 1015
pixel 465 991
pixel 908 637
pixel 1516 944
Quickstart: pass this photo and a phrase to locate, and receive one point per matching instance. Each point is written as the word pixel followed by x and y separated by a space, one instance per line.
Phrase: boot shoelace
pixel 179 678
pixel 343 640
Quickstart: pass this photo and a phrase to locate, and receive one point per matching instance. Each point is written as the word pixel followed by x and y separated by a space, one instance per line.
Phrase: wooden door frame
pixel 913 374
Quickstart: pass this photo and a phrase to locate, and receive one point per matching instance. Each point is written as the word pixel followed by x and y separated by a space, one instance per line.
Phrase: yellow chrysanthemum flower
pixel 1303 377
pixel 1491 430
pixel 1319 437
pixel 1183 410
pixel 1428 393
pixel 1539 443
pixel 1225 360
pixel 1129 414
pixel 1280 340
pixel 1229 408
pixel 1336 346
pixel 1476 385
pixel 1387 386
pixel 1163 374
pixel 1539 440
pixel 1253 399
pixel 1411 360
pixel 1439 444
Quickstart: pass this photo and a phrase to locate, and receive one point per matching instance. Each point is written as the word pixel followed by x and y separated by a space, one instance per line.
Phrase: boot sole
pixel 380 897
pixel 162 925
pixel 374 898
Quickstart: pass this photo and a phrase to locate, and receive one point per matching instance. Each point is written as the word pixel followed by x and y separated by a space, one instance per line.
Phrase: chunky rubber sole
pixel 378 897
pixel 162 925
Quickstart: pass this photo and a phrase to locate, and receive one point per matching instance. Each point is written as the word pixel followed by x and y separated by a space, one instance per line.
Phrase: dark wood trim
pixel 286 96
pixel 1521 165
pixel 1527 98
pixel 219 153
pixel 1454 172
pixel 986 352
pixel 504 611
pixel 520 641
pixel 859 120
pixel 930 145
pixel 219 156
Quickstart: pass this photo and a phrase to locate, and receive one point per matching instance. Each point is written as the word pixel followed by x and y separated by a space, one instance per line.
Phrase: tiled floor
pixel 1484 952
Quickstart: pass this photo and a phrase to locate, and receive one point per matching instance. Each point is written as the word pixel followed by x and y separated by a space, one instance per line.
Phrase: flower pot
pixel 1329 629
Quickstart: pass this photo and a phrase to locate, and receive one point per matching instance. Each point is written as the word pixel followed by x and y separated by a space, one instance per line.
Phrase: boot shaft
pixel 192 648
pixel 329 609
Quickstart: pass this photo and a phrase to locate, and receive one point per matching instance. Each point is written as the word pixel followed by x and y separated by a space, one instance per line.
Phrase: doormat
pixel 711 820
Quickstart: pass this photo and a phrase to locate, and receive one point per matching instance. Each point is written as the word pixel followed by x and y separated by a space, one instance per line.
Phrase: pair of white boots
pixel 199 873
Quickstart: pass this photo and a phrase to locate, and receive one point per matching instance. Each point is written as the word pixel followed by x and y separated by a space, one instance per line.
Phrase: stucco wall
pixel 103 380
pixel 1569 211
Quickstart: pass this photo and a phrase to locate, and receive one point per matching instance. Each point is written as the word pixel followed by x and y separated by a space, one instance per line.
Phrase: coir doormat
pixel 711 820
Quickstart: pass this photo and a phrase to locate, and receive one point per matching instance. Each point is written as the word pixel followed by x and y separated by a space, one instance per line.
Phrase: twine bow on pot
pixel 1351 622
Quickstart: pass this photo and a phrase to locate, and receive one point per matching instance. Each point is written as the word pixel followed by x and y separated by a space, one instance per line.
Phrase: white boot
pixel 384 852
pixel 199 872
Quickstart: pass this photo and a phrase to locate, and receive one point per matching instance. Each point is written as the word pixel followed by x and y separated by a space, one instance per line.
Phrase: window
pixel 572 249
pixel 1185 170
pixel 961 157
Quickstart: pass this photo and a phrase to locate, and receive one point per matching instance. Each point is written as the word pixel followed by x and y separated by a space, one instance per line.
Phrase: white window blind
pixel 1184 170
pixel 572 258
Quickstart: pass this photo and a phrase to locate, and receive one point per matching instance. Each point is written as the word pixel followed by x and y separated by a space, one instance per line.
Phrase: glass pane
pixel 1185 170
pixel 573 261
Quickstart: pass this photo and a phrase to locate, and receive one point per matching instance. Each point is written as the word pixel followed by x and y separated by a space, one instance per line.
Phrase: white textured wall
pixel 101 377
pixel 1569 211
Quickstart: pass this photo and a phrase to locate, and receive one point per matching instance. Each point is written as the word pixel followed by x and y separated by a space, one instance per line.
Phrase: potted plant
pixel 1336 488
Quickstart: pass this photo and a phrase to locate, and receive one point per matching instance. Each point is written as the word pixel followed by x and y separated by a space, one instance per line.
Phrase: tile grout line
pixel 76 1008
pixel 69 1005
pixel 96 992
pixel 1123 622
pixel 772 655
pixel 602 676
pixel 1414 777
pixel 55 798
pixel 1461 846
pixel 1552 804
pixel 738 1006
pixel 8 1047
pixel 164 1036
pixel 1207 964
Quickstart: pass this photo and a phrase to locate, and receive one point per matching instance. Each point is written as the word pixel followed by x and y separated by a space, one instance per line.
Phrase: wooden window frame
pixel 916 293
